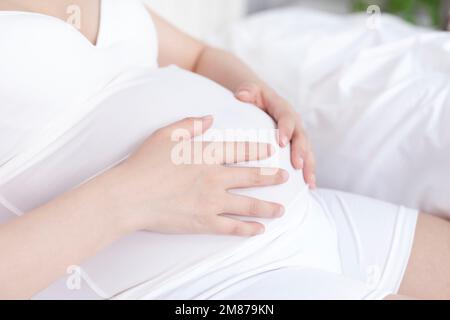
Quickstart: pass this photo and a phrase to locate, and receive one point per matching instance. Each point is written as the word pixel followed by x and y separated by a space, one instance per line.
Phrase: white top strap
pixel 127 23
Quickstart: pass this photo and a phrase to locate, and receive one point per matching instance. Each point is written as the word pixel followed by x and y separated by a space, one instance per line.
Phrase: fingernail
pixel 261 230
pixel 284 141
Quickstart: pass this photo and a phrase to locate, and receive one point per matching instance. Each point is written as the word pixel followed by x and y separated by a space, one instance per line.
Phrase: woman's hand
pixel 147 191
pixel 289 125
pixel 230 72
pixel 159 195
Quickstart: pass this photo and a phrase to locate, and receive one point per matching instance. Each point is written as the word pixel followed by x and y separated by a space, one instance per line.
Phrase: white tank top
pixel 47 66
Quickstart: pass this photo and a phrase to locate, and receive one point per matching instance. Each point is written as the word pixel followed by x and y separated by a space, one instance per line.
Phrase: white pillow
pixel 376 102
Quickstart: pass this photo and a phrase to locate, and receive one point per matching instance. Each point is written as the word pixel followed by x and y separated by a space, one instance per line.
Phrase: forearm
pixel 225 69
pixel 176 47
pixel 37 248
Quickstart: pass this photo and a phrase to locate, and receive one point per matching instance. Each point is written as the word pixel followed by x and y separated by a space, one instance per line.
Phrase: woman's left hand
pixel 289 125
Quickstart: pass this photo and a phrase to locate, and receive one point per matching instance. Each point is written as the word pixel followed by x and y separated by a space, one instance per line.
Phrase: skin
pixel 37 248
pixel 428 272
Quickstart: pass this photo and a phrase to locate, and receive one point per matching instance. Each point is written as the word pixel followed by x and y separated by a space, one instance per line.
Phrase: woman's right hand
pixel 155 193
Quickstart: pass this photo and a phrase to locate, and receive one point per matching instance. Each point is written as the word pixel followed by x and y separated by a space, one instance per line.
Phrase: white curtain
pixel 199 17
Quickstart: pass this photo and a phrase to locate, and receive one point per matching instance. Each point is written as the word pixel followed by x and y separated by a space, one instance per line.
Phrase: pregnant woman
pixel 89 176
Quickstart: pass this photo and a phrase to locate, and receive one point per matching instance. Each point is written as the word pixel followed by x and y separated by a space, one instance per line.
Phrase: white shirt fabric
pixel 48 68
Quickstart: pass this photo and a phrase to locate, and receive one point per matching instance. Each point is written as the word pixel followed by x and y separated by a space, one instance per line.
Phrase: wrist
pixel 112 203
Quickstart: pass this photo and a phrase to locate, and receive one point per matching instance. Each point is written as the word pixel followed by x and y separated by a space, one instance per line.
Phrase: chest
pixel 84 15
pixel 48 67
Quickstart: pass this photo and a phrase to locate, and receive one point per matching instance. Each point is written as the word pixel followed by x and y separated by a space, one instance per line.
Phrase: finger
pixel 235 152
pixel 251 207
pixel 228 226
pixel 302 157
pixel 285 116
pixel 300 150
pixel 237 178
pixel 188 127
pixel 309 170
pixel 286 126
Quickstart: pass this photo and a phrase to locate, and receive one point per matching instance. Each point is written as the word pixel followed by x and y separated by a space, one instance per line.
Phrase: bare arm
pixel 38 247
pixel 176 47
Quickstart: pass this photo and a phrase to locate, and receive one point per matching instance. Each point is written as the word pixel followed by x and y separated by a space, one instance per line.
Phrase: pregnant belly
pixel 106 130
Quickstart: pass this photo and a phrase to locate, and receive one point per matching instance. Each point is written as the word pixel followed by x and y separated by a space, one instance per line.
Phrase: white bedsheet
pixel 376 102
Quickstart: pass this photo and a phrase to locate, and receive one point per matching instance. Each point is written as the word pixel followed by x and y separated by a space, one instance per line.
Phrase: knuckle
pixel 226 228
pixel 256 178
pixel 280 176
pixel 254 88
pixel 214 203
pixel 253 206
pixel 303 149
pixel 310 160
pixel 312 165
pixel 214 179
pixel 199 221
pixel 207 174
pixel 235 229
pixel 298 155
pixel 300 135
pixel 273 209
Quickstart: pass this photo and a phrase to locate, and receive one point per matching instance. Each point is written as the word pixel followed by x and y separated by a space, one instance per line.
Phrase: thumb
pixel 244 96
pixel 248 94
pixel 190 127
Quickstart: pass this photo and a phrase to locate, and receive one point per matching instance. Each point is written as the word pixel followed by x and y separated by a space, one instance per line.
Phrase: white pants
pixel 375 241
